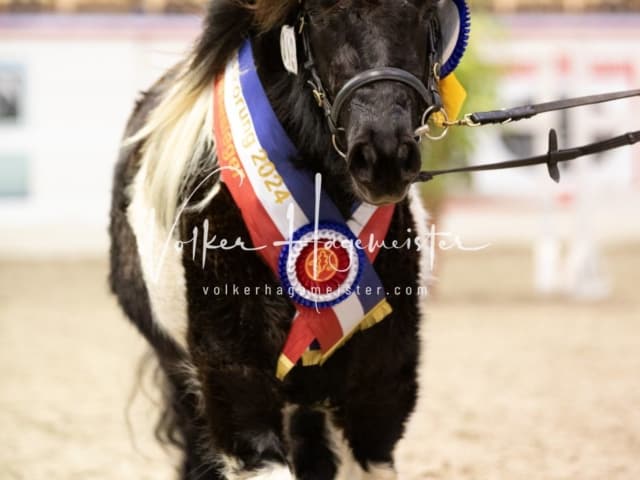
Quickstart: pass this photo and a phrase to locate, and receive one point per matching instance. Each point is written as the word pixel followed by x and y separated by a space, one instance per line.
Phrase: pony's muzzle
pixel 383 155
pixel 383 162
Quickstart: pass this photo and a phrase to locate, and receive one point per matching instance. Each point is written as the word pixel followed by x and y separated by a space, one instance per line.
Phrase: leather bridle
pixel 430 95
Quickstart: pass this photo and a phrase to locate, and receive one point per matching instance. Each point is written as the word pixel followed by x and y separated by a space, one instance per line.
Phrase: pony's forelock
pixel 269 14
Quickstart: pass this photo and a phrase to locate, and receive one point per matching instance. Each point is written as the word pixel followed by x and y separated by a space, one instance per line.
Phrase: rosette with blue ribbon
pixel 455 25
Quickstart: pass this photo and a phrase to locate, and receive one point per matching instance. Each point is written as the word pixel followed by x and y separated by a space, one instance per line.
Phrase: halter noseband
pixel 377 75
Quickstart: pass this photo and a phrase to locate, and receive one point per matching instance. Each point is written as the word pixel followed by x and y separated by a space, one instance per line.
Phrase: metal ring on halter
pixel 334 140
pixel 425 130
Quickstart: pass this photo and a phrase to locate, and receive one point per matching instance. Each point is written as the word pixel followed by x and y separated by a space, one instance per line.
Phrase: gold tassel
pixel 377 314
pixel 311 357
pixel 316 357
pixel 284 366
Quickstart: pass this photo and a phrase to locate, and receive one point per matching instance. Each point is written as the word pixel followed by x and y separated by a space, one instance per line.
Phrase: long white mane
pixel 176 136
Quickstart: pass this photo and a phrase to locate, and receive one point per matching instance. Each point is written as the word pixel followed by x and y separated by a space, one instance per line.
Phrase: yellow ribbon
pixel 453 96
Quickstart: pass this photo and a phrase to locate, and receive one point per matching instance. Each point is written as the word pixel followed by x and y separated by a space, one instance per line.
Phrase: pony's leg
pixel 194 466
pixel 244 407
pixel 373 429
pixel 379 398
pixel 311 446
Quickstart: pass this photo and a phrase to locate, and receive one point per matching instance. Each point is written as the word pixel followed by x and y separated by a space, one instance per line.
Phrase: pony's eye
pixel 321 11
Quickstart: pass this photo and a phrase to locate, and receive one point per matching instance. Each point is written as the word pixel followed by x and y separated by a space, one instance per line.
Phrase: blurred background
pixel 533 363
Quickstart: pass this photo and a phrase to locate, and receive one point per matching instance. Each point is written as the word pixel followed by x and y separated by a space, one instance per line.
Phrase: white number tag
pixel 288 49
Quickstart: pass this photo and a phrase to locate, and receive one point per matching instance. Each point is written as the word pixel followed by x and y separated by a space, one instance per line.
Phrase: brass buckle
pixel 319 97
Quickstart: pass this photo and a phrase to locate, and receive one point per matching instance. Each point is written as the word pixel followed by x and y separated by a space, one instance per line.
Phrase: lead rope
pixel 551 158
pixel 553 155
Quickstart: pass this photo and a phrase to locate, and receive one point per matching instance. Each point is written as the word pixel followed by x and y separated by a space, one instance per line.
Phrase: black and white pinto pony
pixel 225 408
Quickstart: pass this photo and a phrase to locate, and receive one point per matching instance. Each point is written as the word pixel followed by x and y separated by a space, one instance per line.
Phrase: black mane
pixel 226 25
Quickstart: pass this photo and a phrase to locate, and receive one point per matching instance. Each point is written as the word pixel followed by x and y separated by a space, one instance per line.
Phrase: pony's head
pixel 377 63
pixel 372 122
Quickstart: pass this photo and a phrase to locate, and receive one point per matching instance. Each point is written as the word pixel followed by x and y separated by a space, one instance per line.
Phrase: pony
pixel 229 414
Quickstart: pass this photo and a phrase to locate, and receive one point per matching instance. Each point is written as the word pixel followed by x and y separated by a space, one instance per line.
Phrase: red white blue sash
pixel 324 263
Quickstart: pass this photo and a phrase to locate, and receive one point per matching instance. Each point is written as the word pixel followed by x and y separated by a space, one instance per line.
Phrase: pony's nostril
pixel 403 153
pixel 369 155
pixel 409 160
pixel 362 159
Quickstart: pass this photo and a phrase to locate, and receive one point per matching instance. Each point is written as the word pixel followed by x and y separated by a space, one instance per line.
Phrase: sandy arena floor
pixel 515 387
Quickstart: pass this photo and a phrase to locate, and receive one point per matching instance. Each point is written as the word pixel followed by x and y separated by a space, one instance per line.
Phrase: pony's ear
pixel 226 25
pixel 455 25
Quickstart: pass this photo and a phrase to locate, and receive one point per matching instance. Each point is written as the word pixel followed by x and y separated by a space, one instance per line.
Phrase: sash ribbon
pixel 323 261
